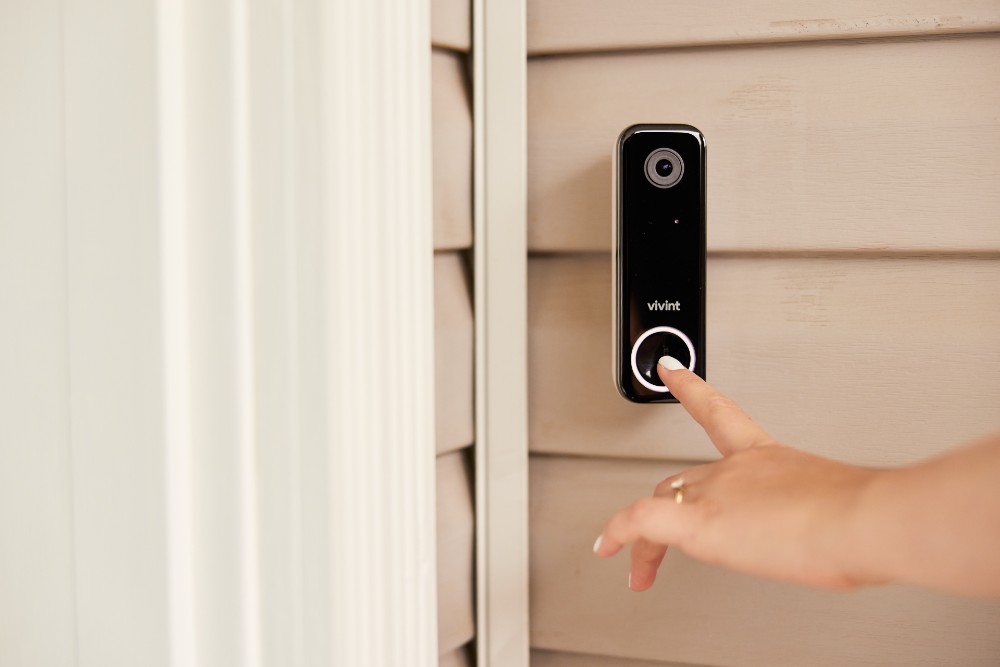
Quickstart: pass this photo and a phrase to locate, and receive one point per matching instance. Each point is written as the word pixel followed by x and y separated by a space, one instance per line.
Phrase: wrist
pixel 862 556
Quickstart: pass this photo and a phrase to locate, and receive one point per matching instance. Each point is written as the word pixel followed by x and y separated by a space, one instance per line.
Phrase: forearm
pixel 935 524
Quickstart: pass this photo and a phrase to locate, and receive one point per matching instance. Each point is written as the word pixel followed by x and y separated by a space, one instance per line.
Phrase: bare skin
pixel 772 510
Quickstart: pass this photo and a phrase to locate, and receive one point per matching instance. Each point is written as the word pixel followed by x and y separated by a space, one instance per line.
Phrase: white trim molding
pixel 499 100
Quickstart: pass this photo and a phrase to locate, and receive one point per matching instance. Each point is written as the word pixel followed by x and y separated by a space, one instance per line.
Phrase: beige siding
pixel 451 24
pixel 455 557
pixel 853 283
pixel 460 657
pixel 598 25
pixel 703 615
pixel 453 328
pixel 875 145
pixel 452 152
pixel 561 659
pixel 885 360
pixel 453 333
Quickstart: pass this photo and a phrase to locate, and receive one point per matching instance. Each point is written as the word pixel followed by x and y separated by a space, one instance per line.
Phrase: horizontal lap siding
pixel 556 26
pixel 453 329
pixel 703 615
pixel 452 152
pixel 455 551
pixel 453 402
pixel 562 659
pixel 452 170
pixel 453 333
pixel 460 657
pixel 451 24
pixel 827 146
pixel 853 283
pixel 875 361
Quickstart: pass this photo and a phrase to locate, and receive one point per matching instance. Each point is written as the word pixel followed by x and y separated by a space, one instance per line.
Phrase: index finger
pixel 724 421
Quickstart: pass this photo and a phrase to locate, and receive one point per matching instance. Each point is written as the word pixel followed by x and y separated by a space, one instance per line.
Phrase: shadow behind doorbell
pixel 659 256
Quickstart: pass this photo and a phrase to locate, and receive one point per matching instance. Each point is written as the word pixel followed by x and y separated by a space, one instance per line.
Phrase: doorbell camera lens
pixel 664 167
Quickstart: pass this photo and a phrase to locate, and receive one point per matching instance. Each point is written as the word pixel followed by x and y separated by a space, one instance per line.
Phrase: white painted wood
pixel 501 333
pixel 811 146
pixel 707 616
pixel 220 336
pixel 560 26
pixel 332 291
pixel 37 604
pixel 453 354
pixel 451 24
pixel 198 471
pixel 175 290
pixel 884 360
pixel 452 149
pixel 455 543
pixel 379 323
pixel 291 591
pixel 280 477
pixel 116 365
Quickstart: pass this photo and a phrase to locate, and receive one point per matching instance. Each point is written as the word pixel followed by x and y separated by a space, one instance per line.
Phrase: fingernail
pixel 597 543
pixel 671 364
pixel 630 581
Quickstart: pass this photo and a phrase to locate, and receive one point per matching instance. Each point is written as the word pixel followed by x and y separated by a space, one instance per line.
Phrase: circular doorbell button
pixel 652 345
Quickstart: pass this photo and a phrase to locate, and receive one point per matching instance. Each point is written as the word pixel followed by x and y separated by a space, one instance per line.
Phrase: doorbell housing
pixel 659 256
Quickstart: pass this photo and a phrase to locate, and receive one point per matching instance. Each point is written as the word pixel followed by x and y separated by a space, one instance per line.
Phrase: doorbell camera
pixel 659 256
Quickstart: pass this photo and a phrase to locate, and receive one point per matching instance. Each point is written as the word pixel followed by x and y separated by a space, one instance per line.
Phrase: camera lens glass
pixel 664 167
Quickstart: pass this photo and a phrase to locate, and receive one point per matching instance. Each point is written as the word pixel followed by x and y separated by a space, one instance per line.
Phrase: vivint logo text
pixel 663 305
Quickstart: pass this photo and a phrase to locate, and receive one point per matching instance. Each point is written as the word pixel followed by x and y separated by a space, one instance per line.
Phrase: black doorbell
pixel 659 256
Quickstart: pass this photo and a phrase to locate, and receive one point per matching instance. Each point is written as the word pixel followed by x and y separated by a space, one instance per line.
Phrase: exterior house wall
pixel 854 252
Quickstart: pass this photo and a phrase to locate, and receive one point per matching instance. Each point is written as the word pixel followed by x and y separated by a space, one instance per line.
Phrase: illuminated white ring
pixel 635 350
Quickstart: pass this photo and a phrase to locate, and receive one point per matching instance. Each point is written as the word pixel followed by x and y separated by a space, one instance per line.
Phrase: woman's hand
pixel 764 508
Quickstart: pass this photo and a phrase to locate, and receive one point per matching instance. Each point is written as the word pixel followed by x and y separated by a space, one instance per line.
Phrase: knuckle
pixel 641 510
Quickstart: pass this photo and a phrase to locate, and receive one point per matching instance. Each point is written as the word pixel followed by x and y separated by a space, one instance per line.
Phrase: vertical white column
pixel 210 366
pixel 378 253
pixel 218 346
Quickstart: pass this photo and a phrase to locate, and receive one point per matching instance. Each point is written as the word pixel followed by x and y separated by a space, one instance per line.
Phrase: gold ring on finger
pixel 678 486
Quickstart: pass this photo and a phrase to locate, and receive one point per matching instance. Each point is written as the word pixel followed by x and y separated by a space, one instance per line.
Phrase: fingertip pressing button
pixel 670 363
pixel 653 344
